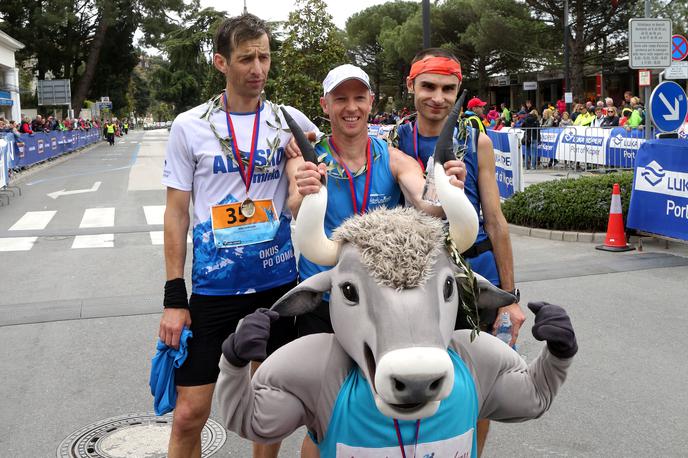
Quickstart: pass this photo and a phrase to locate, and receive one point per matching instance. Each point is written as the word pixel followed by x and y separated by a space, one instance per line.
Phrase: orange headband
pixel 439 65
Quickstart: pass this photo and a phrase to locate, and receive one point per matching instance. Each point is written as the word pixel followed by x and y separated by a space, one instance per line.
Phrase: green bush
pixel 572 204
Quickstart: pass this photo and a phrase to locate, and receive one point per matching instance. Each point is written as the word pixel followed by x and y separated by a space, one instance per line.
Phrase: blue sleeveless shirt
pixel 384 192
pixel 357 428
pixel 484 263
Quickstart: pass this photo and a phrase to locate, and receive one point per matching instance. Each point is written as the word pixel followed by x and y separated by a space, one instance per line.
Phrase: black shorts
pixel 214 318
pixel 315 322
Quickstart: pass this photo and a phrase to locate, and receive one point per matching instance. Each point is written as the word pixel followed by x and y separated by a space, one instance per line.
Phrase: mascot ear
pixel 490 297
pixel 304 297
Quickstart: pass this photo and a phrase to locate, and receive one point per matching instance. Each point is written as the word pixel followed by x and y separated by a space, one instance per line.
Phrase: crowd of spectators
pixel 51 123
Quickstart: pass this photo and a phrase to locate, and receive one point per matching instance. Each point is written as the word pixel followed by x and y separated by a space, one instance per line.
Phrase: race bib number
pixel 231 228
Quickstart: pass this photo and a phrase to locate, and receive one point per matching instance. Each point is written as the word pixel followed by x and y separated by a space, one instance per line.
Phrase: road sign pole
pixel 646 97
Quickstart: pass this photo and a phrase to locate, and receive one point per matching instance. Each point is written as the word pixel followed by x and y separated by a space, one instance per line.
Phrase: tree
pixel 65 38
pixel 364 30
pixel 312 46
pixel 183 80
pixel 478 32
pixel 598 29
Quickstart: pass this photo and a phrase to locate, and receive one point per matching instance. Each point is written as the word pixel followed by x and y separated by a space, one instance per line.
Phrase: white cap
pixel 343 73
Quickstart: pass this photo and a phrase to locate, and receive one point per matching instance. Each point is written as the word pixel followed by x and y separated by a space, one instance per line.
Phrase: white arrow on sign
pixel 673 111
pixel 62 192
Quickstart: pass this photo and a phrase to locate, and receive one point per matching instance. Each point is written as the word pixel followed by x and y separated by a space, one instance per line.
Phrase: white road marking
pixel 94 241
pixel 62 192
pixel 17 243
pixel 33 221
pixel 155 214
pixel 158 238
pixel 98 217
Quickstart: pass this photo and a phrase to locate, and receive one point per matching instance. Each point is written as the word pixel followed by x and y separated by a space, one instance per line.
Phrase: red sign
pixel 598 85
pixel 679 47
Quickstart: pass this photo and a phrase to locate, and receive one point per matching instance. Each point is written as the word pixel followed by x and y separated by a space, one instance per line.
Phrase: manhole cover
pixel 134 436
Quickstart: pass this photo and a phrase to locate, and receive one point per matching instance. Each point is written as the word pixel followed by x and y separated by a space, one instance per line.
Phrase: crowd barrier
pixel 507 150
pixel 659 200
pixel 6 142
pixel 580 147
pixel 30 149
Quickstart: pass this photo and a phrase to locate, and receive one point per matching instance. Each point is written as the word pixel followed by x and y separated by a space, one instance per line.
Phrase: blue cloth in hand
pixel 161 381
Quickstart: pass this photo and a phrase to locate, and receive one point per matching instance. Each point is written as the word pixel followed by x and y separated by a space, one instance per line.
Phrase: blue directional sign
pixel 668 106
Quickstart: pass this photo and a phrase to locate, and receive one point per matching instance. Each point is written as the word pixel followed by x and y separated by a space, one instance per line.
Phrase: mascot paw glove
pixel 553 325
pixel 250 341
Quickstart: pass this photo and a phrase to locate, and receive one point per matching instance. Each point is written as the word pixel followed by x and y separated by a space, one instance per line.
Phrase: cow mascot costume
pixel 395 378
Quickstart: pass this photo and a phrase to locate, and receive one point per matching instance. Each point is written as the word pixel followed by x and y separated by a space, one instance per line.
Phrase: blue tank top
pixel 384 192
pixel 357 428
pixel 484 263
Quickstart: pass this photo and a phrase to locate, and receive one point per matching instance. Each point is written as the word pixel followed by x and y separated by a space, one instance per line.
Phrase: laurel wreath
pixel 274 122
pixel 468 287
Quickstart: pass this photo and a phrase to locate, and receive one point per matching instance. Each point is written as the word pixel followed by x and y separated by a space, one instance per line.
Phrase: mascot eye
pixel 448 288
pixel 349 291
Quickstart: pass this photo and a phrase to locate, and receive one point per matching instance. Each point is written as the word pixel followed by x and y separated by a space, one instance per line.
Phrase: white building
pixel 10 107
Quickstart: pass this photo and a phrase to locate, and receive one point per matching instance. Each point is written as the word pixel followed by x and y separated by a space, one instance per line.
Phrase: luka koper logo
pixel 653 173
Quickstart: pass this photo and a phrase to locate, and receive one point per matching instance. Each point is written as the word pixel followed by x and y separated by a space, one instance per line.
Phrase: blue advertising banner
pixel 6 143
pixel 659 201
pixel 33 148
pixel 507 162
pixel 615 147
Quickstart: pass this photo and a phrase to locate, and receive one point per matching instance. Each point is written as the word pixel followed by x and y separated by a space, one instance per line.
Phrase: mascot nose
pixel 410 390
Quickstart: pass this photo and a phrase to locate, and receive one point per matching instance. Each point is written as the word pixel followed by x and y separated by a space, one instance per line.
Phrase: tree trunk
pixel 87 78
pixel 578 54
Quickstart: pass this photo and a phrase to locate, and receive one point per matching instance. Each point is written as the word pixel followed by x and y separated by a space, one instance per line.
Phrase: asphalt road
pixel 80 297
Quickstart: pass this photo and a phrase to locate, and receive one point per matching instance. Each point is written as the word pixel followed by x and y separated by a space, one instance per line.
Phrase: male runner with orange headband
pixel 434 81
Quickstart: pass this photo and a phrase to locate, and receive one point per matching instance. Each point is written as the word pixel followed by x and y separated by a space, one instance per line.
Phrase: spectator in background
pixel 565 120
pixel 529 106
pixel 586 116
pixel 547 118
pixel 625 114
pixel 561 106
pixel 499 124
pixel 519 118
pixel 492 116
pixel 577 110
pixel 474 113
pixel 531 137
pixel 637 117
pixel 37 124
pixel 628 95
pixel 25 127
pixel 506 114
pixel 609 103
pixel 611 120
pixel 557 118
pixel 599 117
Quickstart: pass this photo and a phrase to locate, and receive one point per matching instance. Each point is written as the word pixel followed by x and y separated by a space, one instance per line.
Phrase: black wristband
pixel 175 294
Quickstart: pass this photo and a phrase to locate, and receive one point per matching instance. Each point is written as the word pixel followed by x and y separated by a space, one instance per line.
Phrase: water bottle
pixel 429 191
pixel 504 329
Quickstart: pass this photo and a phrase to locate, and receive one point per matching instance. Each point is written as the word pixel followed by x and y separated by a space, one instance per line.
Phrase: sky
pixel 278 10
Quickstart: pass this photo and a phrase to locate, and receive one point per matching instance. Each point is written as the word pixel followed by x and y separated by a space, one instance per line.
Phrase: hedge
pixel 572 204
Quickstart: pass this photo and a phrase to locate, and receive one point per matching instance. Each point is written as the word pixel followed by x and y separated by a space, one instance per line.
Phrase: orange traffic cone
pixel 616 237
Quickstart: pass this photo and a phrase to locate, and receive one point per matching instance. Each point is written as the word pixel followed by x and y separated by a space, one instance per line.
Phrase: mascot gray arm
pixel 510 390
pixel 296 386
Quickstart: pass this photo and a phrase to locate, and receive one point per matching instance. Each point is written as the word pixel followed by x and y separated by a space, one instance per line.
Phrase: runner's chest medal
pixel 249 222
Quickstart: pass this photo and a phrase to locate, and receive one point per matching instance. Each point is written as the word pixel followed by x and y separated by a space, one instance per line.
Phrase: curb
pixel 559 236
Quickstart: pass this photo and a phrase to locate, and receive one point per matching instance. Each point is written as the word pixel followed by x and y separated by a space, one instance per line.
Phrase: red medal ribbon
pixel 401 441
pixel 415 146
pixel 350 177
pixel 246 175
